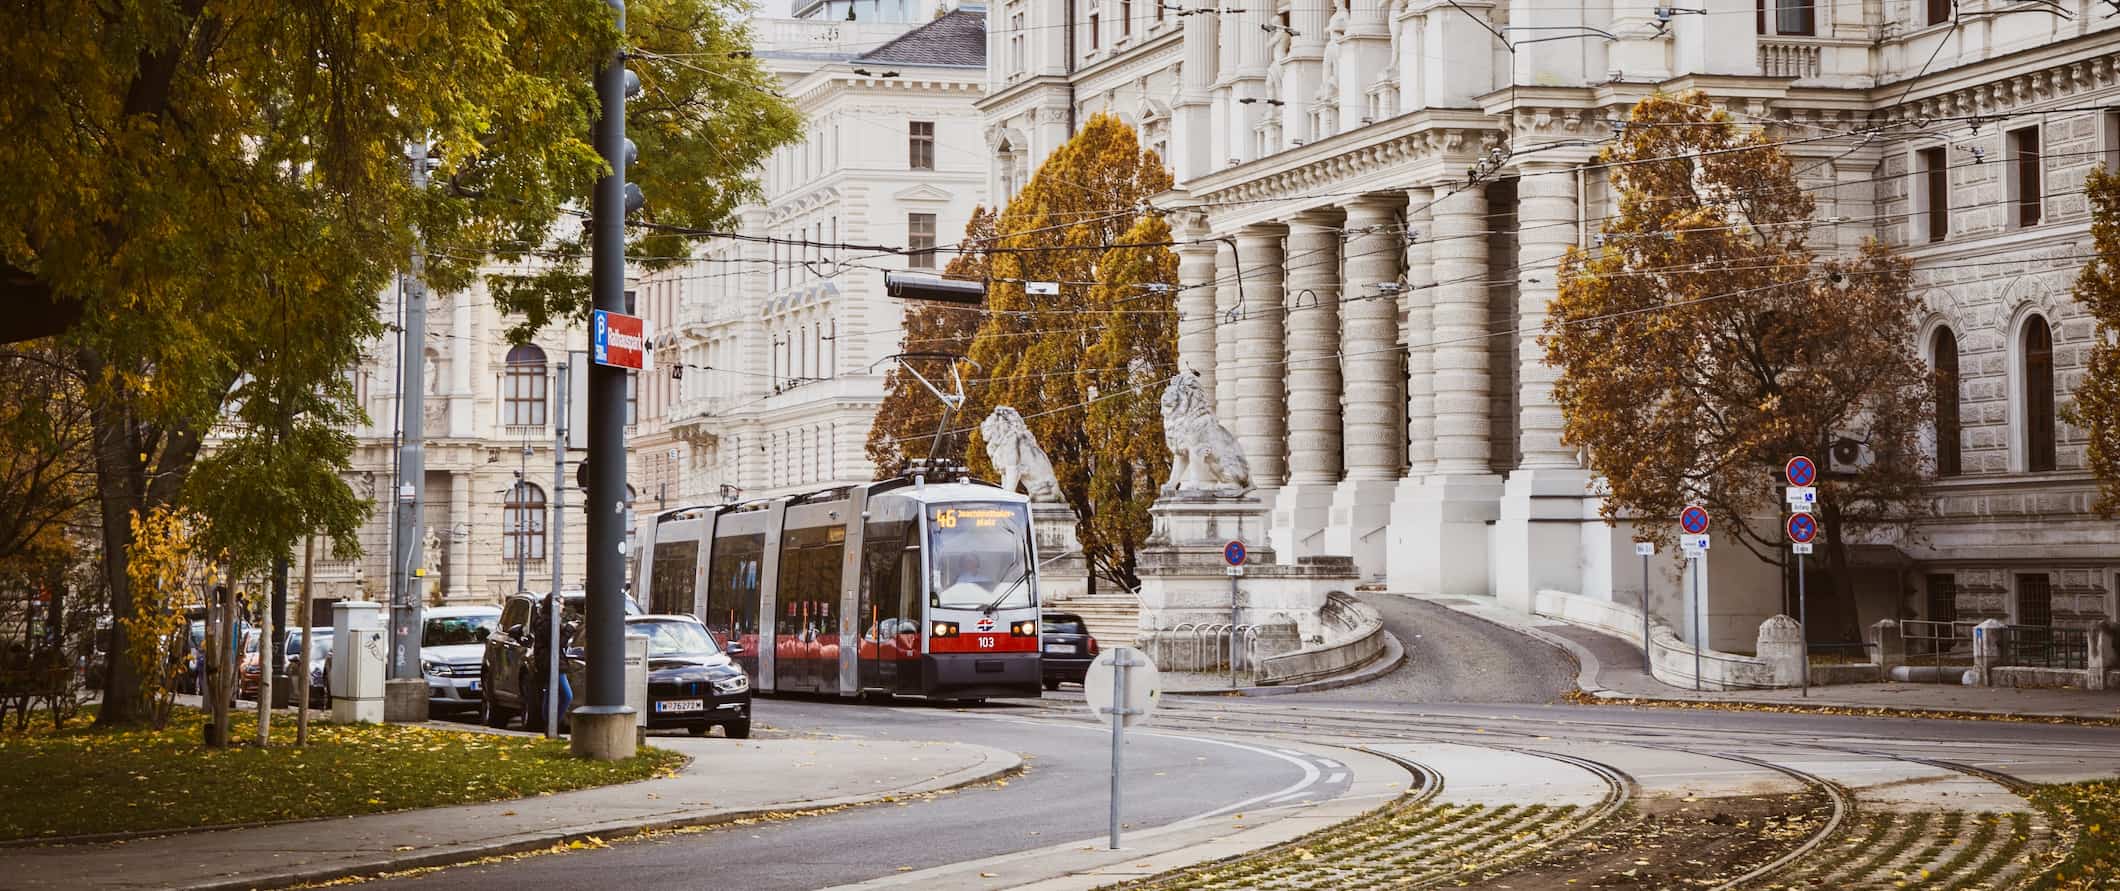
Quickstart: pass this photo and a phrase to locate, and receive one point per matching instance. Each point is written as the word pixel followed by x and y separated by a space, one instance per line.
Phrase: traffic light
pixel 913 286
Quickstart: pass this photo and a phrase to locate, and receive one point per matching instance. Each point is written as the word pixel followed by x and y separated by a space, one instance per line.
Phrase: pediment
pixel 924 192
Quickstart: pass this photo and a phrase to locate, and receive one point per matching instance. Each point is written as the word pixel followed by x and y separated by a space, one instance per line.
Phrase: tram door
pixel 890 596
pixel 806 633
pixel 733 569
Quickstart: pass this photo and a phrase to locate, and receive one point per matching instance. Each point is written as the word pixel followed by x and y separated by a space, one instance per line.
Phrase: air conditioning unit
pixel 1848 454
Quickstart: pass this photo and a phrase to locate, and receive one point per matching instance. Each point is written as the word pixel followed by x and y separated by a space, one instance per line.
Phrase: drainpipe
pixel 1070 69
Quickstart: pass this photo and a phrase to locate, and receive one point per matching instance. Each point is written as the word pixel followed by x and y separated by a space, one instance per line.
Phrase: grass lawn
pixel 2094 810
pixel 85 780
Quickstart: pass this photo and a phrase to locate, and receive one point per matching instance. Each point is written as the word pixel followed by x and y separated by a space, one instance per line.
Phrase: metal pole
pixel 605 699
pixel 1648 663
pixel 1233 628
pixel 1700 625
pixel 1121 661
pixel 1803 625
pixel 412 460
pixel 301 683
pixel 559 550
pixel 522 522
pixel 275 665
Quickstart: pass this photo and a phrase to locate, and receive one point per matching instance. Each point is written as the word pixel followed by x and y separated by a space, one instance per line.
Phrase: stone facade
pixel 1387 190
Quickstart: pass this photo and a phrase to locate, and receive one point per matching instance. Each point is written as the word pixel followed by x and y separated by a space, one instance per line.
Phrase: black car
pixel 512 670
pixel 1068 646
pixel 692 683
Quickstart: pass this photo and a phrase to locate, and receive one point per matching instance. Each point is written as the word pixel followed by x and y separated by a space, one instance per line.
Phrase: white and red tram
pixel 895 586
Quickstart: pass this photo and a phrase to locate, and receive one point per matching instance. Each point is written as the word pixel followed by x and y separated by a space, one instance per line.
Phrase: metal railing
pixel 1938 644
pixel 2040 646
pixel 1219 646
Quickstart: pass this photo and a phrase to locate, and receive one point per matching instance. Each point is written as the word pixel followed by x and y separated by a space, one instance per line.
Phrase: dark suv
pixel 1068 646
pixel 513 670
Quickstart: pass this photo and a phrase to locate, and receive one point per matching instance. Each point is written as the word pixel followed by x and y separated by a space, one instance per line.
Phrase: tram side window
pixel 732 589
pixel 670 589
pixel 891 575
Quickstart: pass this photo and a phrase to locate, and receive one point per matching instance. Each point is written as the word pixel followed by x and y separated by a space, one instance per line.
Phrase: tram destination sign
pixel 976 517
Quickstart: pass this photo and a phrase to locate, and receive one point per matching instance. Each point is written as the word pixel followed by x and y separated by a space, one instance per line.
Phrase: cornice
pixel 1428 146
pixel 2024 89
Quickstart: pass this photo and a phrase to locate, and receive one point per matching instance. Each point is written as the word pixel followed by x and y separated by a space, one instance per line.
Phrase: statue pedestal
pixel 1063 573
pixel 1184 580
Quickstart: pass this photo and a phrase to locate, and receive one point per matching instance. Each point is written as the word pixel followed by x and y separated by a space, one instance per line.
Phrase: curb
pixel 1385 663
pixel 998 764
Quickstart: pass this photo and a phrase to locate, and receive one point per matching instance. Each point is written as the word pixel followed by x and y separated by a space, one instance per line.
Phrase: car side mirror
pixel 734 649
pixel 514 630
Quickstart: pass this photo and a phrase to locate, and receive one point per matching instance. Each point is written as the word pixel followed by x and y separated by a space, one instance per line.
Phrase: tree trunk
pixel 1835 616
pixel 119 485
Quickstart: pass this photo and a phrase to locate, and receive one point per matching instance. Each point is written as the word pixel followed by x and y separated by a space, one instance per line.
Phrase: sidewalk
pixel 726 780
pixel 1611 668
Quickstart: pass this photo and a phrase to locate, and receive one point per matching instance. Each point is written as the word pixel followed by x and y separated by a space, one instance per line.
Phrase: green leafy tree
pixel 207 198
pixel 1064 227
pixel 2096 403
pixel 1705 342
pixel 909 416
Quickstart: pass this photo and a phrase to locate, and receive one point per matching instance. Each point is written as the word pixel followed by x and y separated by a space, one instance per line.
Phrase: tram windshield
pixel 979 556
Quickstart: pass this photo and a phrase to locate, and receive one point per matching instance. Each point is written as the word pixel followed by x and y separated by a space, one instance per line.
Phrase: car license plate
pixel 1061 648
pixel 681 705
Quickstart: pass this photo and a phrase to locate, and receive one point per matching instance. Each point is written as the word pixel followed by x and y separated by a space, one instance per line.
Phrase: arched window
pixel 523 390
pixel 1948 428
pixel 523 523
pixel 2038 395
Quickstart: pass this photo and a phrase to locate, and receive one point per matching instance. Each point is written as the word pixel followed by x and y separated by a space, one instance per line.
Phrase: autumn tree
pixel 206 199
pixel 909 416
pixel 1031 351
pixel 2096 403
pixel 1123 375
pixel 1704 342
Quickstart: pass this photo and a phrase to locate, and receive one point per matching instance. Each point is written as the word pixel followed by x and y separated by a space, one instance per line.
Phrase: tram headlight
pixel 1025 628
pixel 943 629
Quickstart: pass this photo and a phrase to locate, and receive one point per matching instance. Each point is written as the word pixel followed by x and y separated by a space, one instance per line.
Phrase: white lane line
pixel 1337 777
pixel 1328 762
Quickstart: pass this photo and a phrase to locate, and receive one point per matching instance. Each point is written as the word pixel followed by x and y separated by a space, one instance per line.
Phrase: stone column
pixel 461 527
pixel 1363 55
pixel 1417 301
pixel 1228 306
pixel 1369 335
pixel 1252 48
pixel 1456 66
pixel 1305 71
pixel 463 339
pixel 1303 508
pixel 1196 306
pixel 1448 550
pixel 1192 133
pixel 1540 544
pixel 1262 401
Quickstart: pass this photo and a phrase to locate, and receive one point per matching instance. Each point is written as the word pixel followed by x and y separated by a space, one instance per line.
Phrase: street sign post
pixel 619 340
pixel 1802 529
pixel 1122 684
pixel 1800 471
pixel 1645 550
pixel 1694 519
pixel 1234 554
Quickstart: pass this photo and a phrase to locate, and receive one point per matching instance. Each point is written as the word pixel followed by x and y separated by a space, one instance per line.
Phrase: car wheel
pixel 533 706
pixel 737 729
pixel 1052 683
pixel 698 729
pixel 489 713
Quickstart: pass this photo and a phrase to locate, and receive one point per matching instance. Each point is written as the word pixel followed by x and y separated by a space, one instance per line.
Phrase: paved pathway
pixel 1453 657
pixel 726 779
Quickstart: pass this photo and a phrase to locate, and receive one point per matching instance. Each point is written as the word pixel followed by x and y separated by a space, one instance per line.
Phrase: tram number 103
pixel 986 642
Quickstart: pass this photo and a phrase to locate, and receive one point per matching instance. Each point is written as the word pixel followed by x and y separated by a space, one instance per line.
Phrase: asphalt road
pixel 1061 798
pixel 1453 657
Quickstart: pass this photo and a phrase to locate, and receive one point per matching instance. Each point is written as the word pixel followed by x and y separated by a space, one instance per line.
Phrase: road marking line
pixel 1337 777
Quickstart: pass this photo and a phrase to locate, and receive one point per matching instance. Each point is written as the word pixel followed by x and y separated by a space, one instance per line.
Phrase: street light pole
pixel 559 552
pixel 404 673
pixel 603 725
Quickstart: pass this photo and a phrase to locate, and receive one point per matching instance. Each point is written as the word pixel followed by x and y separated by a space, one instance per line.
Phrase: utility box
pixel 360 650
pixel 637 679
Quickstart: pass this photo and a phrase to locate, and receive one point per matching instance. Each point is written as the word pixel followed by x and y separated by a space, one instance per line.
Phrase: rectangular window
pixel 2035 599
pixel 1094 30
pixel 1126 17
pixel 920 240
pixel 2024 175
pixel 2109 133
pixel 1939 11
pixel 920 145
pixel 1933 191
pixel 1943 598
pixel 1795 18
pixel 2038 396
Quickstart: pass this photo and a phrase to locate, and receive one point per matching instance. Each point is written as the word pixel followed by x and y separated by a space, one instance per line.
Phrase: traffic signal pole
pixel 603 724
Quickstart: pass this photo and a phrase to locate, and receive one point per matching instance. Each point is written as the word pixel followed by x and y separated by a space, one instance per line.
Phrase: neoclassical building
pixel 777 337
pixel 1378 193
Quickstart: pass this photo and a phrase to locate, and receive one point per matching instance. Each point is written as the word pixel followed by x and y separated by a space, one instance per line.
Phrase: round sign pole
pixel 1134 688
pixel 1802 528
pixel 1234 554
pixel 1694 519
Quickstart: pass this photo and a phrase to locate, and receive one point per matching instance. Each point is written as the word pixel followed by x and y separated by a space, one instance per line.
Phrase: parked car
pixel 452 644
pixel 512 670
pixel 1068 648
pixel 319 659
pixel 692 684
pixel 247 676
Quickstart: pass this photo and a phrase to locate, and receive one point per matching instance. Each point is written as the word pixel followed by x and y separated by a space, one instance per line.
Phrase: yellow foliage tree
pixel 1705 342
pixel 2096 403
pixel 166 574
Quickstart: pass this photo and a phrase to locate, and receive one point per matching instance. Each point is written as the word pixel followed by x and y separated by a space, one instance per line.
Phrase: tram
pixel 897 586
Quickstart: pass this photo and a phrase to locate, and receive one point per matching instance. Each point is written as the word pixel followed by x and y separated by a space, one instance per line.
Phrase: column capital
pixel 1372 206
pixel 1262 231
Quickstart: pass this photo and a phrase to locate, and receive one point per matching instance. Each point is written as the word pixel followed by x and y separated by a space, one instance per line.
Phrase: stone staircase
pixel 1112 618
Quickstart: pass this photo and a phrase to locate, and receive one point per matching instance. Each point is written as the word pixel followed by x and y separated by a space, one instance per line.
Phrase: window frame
pixel 1932 193
pixel 525 387
pixel 917 254
pixel 523 523
pixel 1950 417
pixel 2025 152
pixel 920 145
pixel 2040 415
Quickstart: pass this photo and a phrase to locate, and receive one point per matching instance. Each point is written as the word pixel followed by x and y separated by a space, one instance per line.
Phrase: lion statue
pixel 1015 452
pixel 1203 453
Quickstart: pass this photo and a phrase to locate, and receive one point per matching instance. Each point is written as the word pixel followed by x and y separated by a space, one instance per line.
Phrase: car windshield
pixel 446 631
pixel 979 556
pixel 1064 626
pixel 317 647
pixel 675 637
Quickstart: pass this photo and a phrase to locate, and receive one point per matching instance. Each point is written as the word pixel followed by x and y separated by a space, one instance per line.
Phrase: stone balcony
pixel 1817 61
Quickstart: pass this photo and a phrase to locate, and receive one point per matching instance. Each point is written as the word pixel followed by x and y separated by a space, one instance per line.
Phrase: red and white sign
pixel 619 340
pixel 986 623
